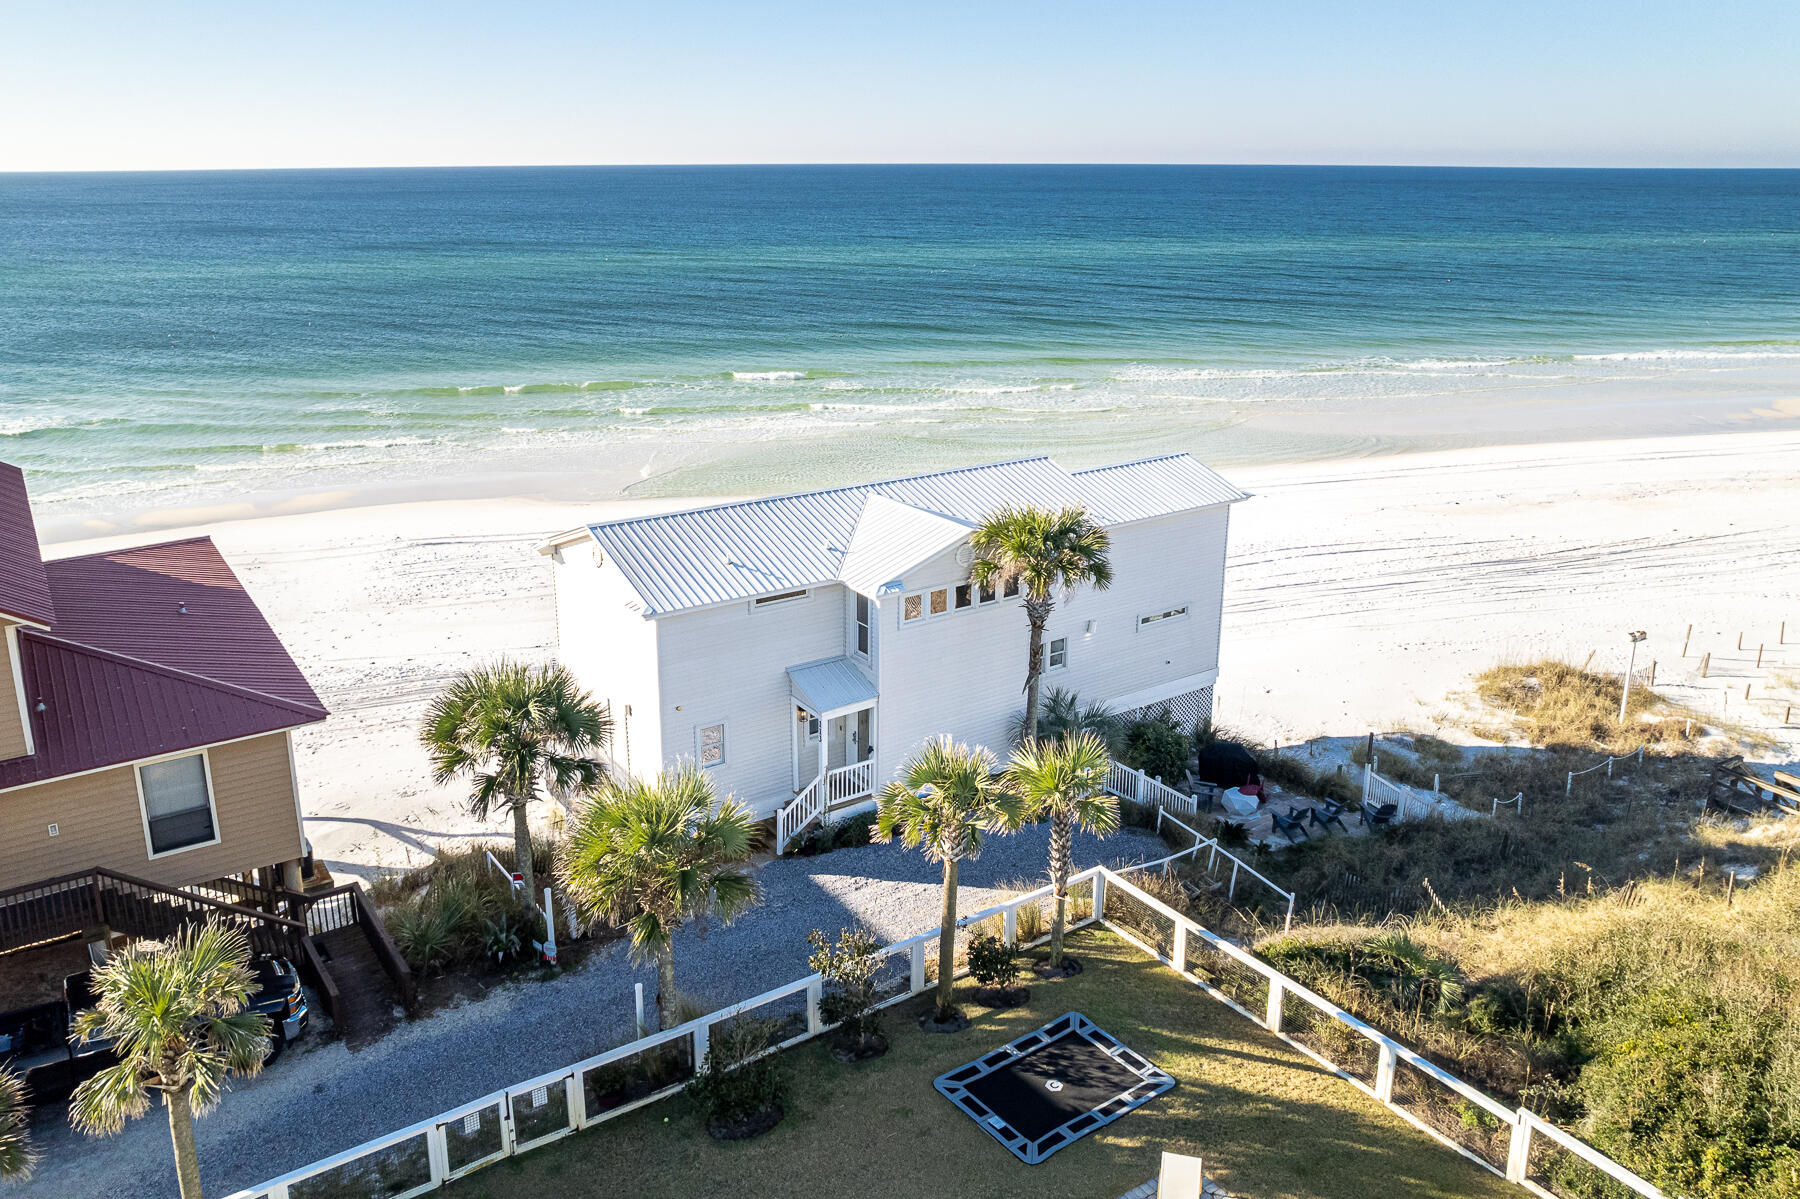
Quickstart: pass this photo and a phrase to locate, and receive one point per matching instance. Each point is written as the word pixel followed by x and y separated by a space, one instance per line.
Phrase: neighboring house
pixel 827 635
pixel 144 718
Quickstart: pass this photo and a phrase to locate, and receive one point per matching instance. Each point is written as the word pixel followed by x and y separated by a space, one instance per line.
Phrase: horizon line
pixel 502 166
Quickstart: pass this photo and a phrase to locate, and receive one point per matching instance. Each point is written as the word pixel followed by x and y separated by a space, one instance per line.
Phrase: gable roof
pixel 179 605
pixel 24 592
pixel 891 538
pixel 704 556
pixel 91 708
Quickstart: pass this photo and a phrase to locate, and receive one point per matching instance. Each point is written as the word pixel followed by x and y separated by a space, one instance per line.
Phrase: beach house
pixel 145 714
pixel 798 648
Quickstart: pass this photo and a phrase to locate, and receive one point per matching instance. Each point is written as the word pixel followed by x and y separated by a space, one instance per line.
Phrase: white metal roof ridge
pixel 699 557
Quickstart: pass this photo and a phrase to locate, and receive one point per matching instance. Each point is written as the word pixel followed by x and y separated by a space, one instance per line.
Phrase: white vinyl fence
pixel 1217 859
pixel 1516 1145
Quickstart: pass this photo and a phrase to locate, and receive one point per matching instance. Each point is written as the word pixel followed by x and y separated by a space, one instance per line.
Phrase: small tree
pixel 175 1014
pixel 17 1155
pixel 1156 745
pixel 946 800
pixel 655 855
pixel 510 729
pixel 849 967
pixel 1064 715
pixel 1065 780
pixel 1038 551
pixel 993 963
pixel 740 1093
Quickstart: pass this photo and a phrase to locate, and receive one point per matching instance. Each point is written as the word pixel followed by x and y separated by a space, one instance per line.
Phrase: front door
pixel 839 752
pixel 807 731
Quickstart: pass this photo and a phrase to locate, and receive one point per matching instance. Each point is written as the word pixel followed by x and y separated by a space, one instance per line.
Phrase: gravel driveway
pixel 320 1098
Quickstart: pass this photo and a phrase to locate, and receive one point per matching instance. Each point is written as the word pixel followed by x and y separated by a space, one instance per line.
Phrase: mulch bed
pixel 846 1050
pixel 1003 996
pixel 1071 966
pixel 749 1126
pixel 928 1021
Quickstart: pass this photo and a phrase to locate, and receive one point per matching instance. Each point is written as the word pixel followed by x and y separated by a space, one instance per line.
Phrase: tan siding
pixel 99 821
pixel 12 727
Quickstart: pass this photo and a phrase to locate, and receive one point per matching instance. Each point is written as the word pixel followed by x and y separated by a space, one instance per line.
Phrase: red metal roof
pixel 92 708
pixel 177 604
pixel 24 592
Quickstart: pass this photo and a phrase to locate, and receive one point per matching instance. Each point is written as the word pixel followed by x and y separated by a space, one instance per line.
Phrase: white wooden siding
pixel 612 650
pixel 730 663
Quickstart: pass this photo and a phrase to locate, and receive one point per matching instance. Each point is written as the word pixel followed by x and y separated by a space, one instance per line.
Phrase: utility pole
pixel 1625 695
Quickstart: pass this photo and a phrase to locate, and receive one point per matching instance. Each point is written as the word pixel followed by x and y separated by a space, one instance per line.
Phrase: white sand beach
pixel 1360 594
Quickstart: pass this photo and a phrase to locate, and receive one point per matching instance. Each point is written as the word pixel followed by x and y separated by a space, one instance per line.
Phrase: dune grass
pixel 1266 1121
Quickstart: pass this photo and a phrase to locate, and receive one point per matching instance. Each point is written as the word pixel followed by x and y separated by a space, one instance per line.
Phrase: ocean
pixel 191 339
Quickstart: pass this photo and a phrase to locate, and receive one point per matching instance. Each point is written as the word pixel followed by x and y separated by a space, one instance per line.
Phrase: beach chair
pixel 1379 815
pixel 1206 795
pixel 1290 826
pixel 1328 812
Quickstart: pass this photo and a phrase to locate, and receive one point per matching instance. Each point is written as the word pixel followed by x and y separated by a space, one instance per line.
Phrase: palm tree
pixel 655 855
pixel 1039 550
pixel 947 798
pixel 175 1014
pixel 17 1157
pixel 1062 714
pixel 509 729
pixel 1066 780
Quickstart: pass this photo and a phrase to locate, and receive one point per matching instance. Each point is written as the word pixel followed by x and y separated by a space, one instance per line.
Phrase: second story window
pixel 862 625
pixel 1057 656
pixel 178 811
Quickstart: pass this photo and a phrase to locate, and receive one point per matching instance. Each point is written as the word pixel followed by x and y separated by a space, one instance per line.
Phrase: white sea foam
pixel 766 376
pixel 1758 355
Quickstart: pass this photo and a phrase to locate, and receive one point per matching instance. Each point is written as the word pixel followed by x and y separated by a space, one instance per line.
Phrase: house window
pixel 711 738
pixel 862 625
pixel 178 810
pixel 1011 589
pixel 779 599
pixel 1166 614
pixel 940 601
pixel 1058 656
pixel 988 594
pixel 913 608
pixel 965 596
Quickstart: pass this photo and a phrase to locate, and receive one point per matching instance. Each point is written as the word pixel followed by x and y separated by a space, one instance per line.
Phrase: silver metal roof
pixel 892 538
pixel 703 556
pixel 830 684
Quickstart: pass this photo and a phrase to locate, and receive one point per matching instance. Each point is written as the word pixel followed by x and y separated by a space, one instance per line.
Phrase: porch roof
pixel 830 685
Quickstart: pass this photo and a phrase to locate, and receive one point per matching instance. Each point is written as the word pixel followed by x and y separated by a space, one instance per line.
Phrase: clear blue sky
pixel 105 85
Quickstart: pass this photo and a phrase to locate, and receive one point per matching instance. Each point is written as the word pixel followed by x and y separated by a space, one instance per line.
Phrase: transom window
pixel 956 597
pixel 940 600
pixel 178 809
pixel 1165 614
pixel 1011 589
pixel 1057 656
pixel 988 594
pixel 965 596
pixel 779 599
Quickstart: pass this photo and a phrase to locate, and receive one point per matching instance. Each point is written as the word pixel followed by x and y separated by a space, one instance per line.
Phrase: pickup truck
pixel 39 1041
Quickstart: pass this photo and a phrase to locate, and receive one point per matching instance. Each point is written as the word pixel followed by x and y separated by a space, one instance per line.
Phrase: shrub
pixel 1156 745
pixel 731 1088
pixel 993 963
pixel 1554 703
pixel 852 832
pixel 849 969
pixel 1062 714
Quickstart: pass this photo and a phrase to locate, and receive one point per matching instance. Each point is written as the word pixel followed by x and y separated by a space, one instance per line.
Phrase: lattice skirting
pixel 1189 709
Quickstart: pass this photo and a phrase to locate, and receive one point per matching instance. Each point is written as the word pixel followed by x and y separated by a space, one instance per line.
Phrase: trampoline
pixel 1053 1086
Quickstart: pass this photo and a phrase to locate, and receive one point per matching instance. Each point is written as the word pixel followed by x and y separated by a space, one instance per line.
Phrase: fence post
pixel 1368 770
pixel 1178 952
pixel 641 1026
pixel 1287 926
pixel 1099 898
pixel 1609 762
pixel 918 967
pixel 1231 891
pixel 1518 1151
pixel 814 992
pixel 549 929
pixel 1009 925
pixel 1384 1074
pixel 1569 784
pixel 702 1042
pixel 1272 1014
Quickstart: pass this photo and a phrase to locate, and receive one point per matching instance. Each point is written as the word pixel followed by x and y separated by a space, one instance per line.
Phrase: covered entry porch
pixel 833 733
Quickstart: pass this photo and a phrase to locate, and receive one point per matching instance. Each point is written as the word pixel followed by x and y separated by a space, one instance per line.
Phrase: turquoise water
pixel 170 339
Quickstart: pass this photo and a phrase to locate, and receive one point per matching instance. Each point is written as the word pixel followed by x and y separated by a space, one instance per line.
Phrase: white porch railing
pixel 1410 803
pixel 831 790
pixel 1215 867
pixel 521 1117
pixel 1140 788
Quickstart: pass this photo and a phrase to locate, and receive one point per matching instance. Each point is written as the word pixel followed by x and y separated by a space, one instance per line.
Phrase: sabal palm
pixel 1040 550
pixel 654 855
pixel 1064 779
pixel 1062 714
pixel 509 729
pixel 17 1156
pixel 947 799
pixel 175 1014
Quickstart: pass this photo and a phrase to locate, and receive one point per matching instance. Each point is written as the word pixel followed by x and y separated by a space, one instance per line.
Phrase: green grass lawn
pixel 1268 1122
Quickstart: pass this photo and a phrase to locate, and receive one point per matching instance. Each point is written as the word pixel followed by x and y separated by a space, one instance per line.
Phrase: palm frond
pixel 18 1157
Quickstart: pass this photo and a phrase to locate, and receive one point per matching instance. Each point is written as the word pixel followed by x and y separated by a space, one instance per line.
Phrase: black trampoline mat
pixel 1020 1094
pixel 1053 1086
